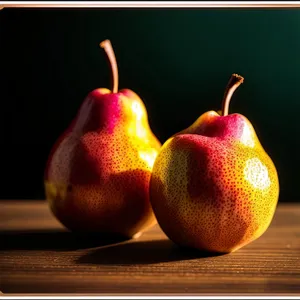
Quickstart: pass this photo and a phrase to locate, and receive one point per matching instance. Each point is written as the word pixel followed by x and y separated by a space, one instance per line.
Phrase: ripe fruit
pixel 98 173
pixel 213 186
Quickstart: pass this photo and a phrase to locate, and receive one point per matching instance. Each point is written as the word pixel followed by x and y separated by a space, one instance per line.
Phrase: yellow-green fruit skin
pixel 98 173
pixel 213 186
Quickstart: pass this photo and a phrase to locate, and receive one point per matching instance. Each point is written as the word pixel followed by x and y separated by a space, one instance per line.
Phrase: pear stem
pixel 232 85
pixel 106 45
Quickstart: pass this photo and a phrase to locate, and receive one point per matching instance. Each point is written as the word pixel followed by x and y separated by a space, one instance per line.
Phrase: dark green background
pixel 177 60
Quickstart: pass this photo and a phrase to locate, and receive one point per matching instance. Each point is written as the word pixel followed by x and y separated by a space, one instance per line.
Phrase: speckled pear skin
pixel 98 172
pixel 213 186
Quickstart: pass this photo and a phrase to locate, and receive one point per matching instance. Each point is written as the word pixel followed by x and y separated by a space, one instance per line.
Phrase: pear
pixel 98 172
pixel 213 186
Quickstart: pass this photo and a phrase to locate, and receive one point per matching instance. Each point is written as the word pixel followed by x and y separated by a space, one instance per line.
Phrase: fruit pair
pixel 211 186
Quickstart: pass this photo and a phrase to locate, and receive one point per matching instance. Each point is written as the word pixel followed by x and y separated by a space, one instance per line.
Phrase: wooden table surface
pixel 38 256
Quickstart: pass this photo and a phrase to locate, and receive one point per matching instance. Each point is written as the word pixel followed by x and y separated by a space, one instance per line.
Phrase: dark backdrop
pixel 178 61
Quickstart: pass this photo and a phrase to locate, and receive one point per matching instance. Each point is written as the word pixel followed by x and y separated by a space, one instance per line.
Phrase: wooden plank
pixel 37 255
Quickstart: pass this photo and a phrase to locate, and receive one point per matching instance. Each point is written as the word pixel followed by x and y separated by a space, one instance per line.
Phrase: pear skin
pixel 213 186
pixel 98 172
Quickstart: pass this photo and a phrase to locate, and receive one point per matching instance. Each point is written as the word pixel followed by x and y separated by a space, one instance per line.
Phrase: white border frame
pixel 148 4
pixel 152 4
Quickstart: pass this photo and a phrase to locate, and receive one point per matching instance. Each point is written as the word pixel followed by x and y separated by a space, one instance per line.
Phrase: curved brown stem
pixel 106 45
pixel 232 85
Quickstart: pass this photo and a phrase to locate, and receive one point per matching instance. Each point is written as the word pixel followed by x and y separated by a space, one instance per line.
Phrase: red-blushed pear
pixel 213 186
pixel 98 172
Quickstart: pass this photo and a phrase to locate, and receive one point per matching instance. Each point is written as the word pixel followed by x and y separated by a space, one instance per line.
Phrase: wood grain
pixel 37 255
